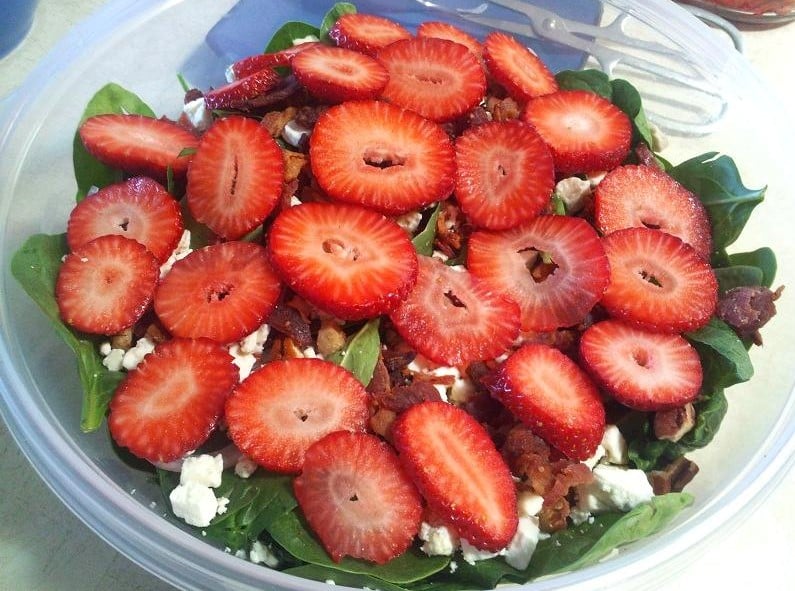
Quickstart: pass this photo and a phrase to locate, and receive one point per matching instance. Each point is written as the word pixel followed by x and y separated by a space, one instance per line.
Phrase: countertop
pixel 44 547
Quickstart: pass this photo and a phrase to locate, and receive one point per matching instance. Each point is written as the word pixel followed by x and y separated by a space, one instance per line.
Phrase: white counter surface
pixel 43 547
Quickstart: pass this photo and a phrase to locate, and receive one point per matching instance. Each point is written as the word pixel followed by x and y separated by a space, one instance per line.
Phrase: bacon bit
pixel 451 233
pixel 553 517
pixel 502 109
pixel 288 321
pixel 290 349
pixel 155 333
pixel 380 384
pixel 401 398
pixel 747 309
pixel 478 116
pixel 274 121
pixel 307 116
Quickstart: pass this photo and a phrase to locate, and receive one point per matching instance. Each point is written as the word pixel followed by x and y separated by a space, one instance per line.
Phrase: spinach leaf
pixel 423 241
pixel 738 276
pixel 724 359
pixel 292 533
pixel 763 259
pixel 359 581
pixel 716 181
pixel 331 17
pixel 89 171
pixel 360 353
pixel 627 98
pixel 35 266
pixel 285 36
pixel 558 205
pixel 590 80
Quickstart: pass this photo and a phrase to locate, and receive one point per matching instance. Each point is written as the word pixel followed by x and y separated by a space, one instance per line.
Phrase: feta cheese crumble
pixel 198 114
pixel 245 467
pixel 262 554
pixel 293 133
pixel 614 488
pixel 574 193
pixel 182 250
pixel 438 540
pixel 194 499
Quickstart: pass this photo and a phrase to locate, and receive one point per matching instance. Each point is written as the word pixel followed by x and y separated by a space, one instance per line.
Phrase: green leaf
pixel 558 205
pixel 729 203
pixel 292 533
pixel 738 276
pixel 423 241
pixel 724 359
pixel 763 259
pixel 35 266
pixel 358 581
pixel 286 35
pixel 360 353
pixel 89 171
pixel 183 83
pixel 590 80
pixel 627 98
pixel 331 17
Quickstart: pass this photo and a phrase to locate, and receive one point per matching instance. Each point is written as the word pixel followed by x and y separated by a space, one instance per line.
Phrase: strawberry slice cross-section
pixel 106 285
pixel 170 404
pixel 520 71
pixel 453 318
pixel 366 33
pixel 138 208
pixel 276 413
pixel 259 61
pixel 549 393
pixel 381 156
pixel 138 144
pixel 336 74
pixel 505 174
pixel 348 261
pixel 459 472
pixel 644 370
pixel 437 78
pixel 442 30
pixel 222 292
pixel 554 267
pixel 235 94
pixel 657 281
pixel 235 178
pixel 357 497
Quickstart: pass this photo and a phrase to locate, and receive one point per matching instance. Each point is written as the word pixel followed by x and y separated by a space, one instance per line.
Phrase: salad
pixel 372 314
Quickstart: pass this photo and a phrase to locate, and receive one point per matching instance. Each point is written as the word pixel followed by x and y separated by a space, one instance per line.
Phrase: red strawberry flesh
pixel 520 71
pixel 554 267
pixel 439 79
pixel 549 393
pixel 222 292
pixel 459 472
pixel 366 33
pixel 348 261
pixel 335 74
pixel 138 144
pixel 235 178
pixel 276 413
pixel 105 285
pixel 381 156
pixel 357 498
pixel 644 370
pixel 442 30
pixel 170 404
pixel 505 174
pixel 138 208
pixel 260 61
pixel 234 95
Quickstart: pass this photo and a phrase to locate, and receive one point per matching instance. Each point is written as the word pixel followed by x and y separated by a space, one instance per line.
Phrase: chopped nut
pixel 123 340
pixel 503 109
pixel 674 477
pixel 154 333
pixel 673 424
pixel 553 517
pixel 290 350
pixel 294 163
pixel 330 337
pixel 274 121
pixel 747 309
pixel 381 421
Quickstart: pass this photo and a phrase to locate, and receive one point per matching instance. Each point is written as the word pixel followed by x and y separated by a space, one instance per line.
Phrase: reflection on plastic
pixel 15 22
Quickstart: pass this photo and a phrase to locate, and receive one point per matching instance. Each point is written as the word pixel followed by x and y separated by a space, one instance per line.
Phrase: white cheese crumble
pixel 198 114
pixel 519 552
pixel 134 355
pixel 262 554
pixel 438 540
pixel 659 141
pixel 595 458
pixel 615 446
pixel 529 504
pixel 574 192
pixel 306 39
pixel 614 489
pixel 194 499
pixel 244 361
pixel 410 221
pixel 244 352
pixel 245 467
pixel 255 342
pixel 182 250
pixel 472 554
pixel 293 133
pixel 112 358
pixel 462 387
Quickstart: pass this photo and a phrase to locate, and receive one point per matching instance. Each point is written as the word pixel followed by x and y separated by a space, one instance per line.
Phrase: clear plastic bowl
pixel 142 45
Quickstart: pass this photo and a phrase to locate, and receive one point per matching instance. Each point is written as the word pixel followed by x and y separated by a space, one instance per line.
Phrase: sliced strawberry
pixel 222 292
pixel 454 463
pixel 644 370
pixel 549 393
pixel 381 156
pixel 138 144
pixel 335 74
pixel 357 497
pixel 439 79
pixel 636 196
pixel 517 69
pixel 261 61
pixel 366 33
pixel 171 402
pixel 554 267
pixel 138 208
pixel 658 281
pixel 348 261
pixel 441 30
pixel 105 285
pixel 236 177
pixel 505 174
pixel 276 413
pixel 453 318
pixel 235 94
pixel 586 132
